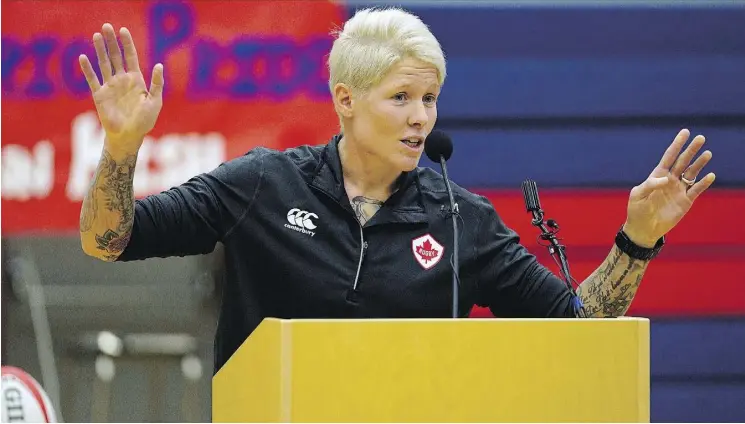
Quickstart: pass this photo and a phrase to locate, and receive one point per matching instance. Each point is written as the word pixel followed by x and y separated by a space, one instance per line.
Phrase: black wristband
pixel 632 249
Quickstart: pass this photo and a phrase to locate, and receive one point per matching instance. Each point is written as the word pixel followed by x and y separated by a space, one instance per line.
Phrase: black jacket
pixel 294 248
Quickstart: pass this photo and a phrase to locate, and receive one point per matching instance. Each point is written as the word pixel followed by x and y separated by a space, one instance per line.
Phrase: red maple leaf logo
pixel 426 251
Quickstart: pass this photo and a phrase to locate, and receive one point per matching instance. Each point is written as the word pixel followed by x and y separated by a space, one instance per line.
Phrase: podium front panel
pixel 469 370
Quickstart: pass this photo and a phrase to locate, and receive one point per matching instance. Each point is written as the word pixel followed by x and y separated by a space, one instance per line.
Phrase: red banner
pixel 237 74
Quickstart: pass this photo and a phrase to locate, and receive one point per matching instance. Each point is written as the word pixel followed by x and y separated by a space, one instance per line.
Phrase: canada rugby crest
pixel 427 251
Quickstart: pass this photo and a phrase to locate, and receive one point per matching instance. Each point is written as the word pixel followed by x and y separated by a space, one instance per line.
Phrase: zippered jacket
pixel 295 249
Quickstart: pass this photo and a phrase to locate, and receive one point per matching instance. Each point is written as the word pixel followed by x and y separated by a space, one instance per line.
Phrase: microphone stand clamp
pixel 549 229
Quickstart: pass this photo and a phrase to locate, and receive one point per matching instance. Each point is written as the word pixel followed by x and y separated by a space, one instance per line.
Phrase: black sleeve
pixel 191 218
pixel 512 283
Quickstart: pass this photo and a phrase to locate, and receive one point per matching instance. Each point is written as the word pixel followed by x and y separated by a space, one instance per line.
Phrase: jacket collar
pixel 406 205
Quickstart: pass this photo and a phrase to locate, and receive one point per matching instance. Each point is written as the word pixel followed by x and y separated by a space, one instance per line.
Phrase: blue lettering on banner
pixel 12 56
pixel 163 40
pixel 41 50
pixel 73 79
pixel 288 67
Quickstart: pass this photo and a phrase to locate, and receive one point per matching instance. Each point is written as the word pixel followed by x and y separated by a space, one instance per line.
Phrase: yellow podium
pixel 438 370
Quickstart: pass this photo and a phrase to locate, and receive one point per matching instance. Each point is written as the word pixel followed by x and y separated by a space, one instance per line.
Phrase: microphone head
pixel 530 196
pixel 438 144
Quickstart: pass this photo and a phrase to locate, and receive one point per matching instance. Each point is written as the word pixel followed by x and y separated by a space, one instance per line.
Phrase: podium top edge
pixel 451 320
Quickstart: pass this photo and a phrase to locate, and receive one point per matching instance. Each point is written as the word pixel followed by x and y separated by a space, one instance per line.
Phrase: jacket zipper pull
pixel 354 291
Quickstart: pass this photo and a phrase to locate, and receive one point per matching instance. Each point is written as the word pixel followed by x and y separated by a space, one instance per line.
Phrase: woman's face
pixel 391 121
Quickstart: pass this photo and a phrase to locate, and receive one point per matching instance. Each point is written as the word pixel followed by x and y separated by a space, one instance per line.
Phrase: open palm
pixel 126 108
pixel 658 204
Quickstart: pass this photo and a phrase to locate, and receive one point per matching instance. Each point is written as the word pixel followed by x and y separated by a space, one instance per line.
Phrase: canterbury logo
pixel 301 221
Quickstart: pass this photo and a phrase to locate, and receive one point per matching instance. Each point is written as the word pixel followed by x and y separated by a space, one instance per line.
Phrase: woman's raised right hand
pixel 126 108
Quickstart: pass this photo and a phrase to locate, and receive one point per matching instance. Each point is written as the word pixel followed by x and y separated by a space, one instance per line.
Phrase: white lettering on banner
pixel 161 163
pixel 86 142
pixel 177 157
pixel 27 174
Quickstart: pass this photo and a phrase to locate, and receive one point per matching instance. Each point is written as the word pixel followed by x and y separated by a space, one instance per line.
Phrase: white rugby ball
pixel 24 400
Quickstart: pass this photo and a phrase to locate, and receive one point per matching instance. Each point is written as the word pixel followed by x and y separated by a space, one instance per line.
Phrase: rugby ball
pixel 24 400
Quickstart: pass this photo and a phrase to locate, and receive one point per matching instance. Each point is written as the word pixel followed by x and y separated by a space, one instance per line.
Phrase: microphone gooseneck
pixel 549 229
pixel 438 148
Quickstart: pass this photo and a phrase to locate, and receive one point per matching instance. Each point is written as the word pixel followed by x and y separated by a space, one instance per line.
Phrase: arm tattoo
pixel 90 205
pixel 117 187
pixel 609 290
pixel 112 243
pixel 109 205
pixel 365 208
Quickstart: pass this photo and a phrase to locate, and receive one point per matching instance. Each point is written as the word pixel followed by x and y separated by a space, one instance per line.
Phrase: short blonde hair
pixel 374 40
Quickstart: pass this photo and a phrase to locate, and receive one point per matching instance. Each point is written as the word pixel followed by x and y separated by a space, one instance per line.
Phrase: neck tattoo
pixel 365 207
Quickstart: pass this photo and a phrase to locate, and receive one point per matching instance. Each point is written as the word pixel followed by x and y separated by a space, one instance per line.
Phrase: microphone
pixel 533 206
pixel 532 202
pixel 439 147
pixel 530 193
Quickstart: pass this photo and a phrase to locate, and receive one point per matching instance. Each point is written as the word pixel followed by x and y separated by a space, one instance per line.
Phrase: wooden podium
pixel 438 370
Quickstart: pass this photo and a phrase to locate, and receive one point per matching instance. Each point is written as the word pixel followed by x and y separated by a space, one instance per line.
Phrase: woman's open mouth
pixel 413 143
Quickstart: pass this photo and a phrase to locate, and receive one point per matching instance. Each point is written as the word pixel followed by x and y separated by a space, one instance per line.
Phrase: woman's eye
pixel 430 99
pixel 400 97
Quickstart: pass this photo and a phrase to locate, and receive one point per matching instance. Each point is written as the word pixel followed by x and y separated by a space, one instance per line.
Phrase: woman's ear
pixel 343 100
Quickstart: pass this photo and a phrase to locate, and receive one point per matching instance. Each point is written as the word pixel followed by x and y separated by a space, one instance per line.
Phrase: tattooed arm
pixel 655 207
pixel 609 290
pixel 107 215
pixel 188 219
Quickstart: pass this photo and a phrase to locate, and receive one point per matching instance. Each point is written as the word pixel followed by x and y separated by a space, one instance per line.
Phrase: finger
pixel 130 52
pixel 115 55
pixel 157 81
pixel 103 58
pixel 692 171
pixel 650 185
pixel 668 159
pixel 90 74
pixel 701 186
pixel 685 158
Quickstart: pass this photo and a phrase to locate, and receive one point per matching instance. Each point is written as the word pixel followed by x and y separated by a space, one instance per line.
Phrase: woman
pixel 353 228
